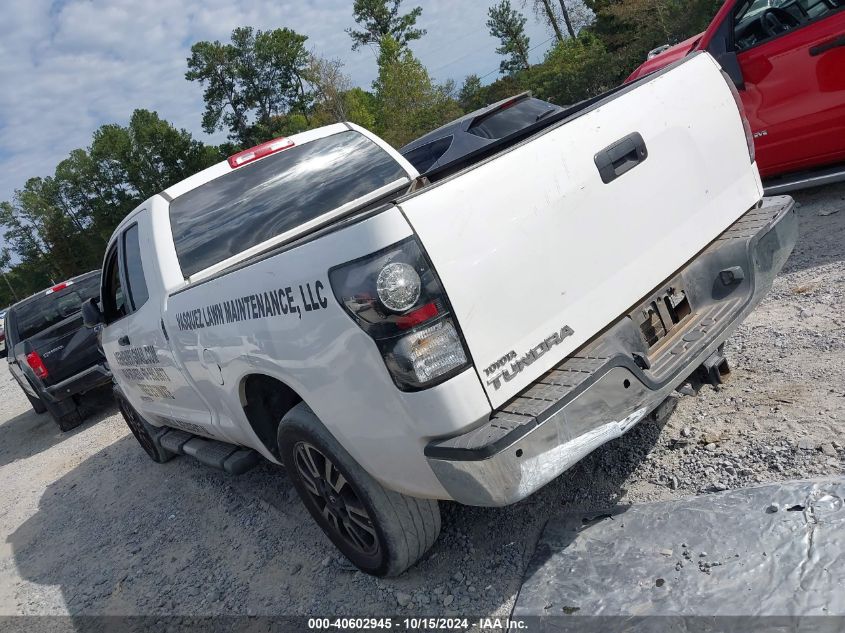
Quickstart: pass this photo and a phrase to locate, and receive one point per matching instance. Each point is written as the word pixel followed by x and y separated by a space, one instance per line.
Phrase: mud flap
pixel 773 550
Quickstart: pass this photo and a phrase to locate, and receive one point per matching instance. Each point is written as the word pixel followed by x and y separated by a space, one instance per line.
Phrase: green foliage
pixel 380 19
pixel 248 83
pixel 408 104
pixel 471 94
pixel 508 26
pixel 576 68
pixel 58 226
pixel 631 28
pixel 361 107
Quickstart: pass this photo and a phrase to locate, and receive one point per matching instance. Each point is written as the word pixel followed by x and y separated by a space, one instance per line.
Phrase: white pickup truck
pixel 395 340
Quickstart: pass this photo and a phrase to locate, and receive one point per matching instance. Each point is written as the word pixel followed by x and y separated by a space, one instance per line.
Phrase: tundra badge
pixel 496 372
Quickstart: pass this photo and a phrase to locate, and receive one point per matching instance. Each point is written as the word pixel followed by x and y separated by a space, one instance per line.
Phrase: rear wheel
pixel 381 531
pixel 146 434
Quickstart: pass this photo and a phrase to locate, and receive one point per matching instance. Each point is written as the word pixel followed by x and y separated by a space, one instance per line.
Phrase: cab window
pixel 756 21
pixel 114 299
pixel 137 285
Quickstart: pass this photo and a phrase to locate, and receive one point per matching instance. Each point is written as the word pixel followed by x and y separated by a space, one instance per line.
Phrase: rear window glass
pixel 42 313
pixel 510 119
pixel 257 202
pixel 424 157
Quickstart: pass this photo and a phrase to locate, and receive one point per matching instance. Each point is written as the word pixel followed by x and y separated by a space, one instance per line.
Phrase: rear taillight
pixel 746 126
pixel 395 296
pixel 33 359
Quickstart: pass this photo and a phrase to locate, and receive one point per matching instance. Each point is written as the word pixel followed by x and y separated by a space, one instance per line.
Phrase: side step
pixel 235 460
pixel 804 180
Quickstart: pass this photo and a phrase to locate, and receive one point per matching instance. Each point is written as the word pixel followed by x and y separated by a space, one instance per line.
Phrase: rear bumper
pixel 84 381
pixel 601 391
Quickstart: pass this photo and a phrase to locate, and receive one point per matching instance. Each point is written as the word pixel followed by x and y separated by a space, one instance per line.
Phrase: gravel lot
pixel 91 526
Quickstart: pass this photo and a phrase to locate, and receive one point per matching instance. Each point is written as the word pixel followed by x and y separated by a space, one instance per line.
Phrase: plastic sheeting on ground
pixel 774 550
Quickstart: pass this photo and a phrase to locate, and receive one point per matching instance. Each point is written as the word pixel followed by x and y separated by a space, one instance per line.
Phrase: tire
pixel 37 404
pixel 388 531
pixel 65 413
pixel 146 434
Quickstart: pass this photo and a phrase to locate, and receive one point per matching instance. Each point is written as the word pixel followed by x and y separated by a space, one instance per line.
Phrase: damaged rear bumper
pixel 622 375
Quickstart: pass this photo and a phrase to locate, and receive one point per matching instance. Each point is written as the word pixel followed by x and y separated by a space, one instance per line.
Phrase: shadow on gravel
pixel 821 233
pixel 120 535
pixel 29 433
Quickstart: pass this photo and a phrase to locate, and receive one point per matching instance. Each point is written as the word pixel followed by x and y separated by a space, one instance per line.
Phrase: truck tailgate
pixel 538 254
pixel 66 349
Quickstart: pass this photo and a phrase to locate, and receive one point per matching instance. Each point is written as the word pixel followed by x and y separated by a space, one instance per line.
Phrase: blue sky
pixel 66 67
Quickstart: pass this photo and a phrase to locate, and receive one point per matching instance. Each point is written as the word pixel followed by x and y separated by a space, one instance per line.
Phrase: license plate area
pixel 662 315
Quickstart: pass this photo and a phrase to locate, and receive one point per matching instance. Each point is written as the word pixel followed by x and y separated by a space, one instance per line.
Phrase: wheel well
pixel 265 401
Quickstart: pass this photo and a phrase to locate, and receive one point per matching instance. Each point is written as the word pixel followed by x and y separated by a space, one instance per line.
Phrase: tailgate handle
pixel 620 157
pixel 815 51
pixel 123 340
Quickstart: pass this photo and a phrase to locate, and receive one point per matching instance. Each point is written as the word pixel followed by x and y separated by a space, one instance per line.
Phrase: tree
pixel 408 104
pixel 544 9
pixel 380 19
pixel 470 95
pixel 251 82
pixel 564 10
pixel 508 26
pixel 577 68
pixel 330 84
pixel 631 28
pixel 58 226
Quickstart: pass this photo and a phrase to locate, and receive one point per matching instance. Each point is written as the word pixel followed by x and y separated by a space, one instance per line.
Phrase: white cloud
pixel 67 67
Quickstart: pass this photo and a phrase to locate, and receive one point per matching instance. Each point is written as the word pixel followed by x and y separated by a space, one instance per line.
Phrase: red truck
pixel 787 58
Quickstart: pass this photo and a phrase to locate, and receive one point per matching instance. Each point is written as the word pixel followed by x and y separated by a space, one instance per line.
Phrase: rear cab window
pixel 41 313
pixel 259 201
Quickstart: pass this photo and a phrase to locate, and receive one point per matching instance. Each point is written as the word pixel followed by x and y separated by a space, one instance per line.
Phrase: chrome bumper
pixel 615 380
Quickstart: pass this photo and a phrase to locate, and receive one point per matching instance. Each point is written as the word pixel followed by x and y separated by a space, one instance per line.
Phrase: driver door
pixel 794 72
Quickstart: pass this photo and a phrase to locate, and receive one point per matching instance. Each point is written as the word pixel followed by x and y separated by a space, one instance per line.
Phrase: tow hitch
pixel 715 370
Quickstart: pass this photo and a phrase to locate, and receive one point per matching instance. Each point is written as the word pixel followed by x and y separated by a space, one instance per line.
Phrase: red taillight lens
pixel 420 315
pixel 33 359
pixel 259 151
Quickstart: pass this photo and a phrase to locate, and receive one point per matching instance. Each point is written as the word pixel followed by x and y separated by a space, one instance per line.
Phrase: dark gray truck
pixel 51 355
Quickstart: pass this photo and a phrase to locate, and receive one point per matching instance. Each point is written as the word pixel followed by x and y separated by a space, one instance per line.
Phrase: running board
pixel 804 180
pixel 235 460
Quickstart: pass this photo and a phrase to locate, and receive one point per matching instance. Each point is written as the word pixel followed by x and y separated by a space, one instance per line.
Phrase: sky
pixel 69 66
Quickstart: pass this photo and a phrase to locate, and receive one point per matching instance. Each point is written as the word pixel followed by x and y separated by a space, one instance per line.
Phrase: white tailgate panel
pixel 534 240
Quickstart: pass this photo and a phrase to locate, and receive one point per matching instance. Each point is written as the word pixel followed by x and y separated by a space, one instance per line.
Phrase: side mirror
pixel 91 314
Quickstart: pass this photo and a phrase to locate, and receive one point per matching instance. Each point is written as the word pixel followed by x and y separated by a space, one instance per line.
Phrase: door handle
pixel 815 51
pixel 621 157
pixel 123 340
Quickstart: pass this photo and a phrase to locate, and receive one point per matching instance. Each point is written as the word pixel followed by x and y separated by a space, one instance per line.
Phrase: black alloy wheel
pixel 336 499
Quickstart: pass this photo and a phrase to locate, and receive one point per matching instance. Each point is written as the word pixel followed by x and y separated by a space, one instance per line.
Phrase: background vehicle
pixel 3 327
pixel 394 340
pixel 787 59
pixel 464 139
pixel 51 355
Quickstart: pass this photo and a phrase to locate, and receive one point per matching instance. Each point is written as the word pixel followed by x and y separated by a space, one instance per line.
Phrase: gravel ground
pixel 91 526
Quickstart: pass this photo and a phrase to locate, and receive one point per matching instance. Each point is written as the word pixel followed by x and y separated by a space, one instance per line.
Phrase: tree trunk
pixel 550 16
pixel 566 18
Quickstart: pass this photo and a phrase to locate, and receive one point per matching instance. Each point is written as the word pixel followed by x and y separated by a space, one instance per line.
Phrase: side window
pixel 138 293
pixel 114 300
pixel 757 21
